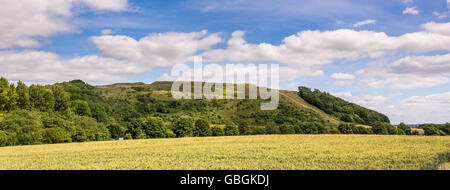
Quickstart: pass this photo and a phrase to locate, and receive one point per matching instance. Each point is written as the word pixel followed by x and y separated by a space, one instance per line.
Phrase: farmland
pixel 285 152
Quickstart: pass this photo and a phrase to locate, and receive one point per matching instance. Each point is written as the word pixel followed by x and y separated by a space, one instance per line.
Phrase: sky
pixel 391 55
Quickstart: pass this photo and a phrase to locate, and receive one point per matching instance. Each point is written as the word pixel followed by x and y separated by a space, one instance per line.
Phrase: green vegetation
pixel 77 112
pixel 346 111
pixel 271 152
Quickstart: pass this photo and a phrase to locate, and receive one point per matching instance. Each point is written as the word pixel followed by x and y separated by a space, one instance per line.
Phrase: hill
pixel 156 99
pixel 77 112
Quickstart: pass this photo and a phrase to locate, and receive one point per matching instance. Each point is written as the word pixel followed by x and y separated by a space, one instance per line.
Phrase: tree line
pixel 345 111
pixel 74 112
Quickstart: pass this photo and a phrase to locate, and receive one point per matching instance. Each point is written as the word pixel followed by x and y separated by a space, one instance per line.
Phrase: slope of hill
pixel 76 112
pixel 156 99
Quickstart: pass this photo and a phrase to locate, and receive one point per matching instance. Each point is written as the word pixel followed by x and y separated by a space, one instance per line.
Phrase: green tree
pixel 273 129
pixel 217 131
pixel 432 130
pixel 345 128
pixel 244 128
pixel 81 108
pixel 4 93
pixel 202 128
pixel 380 128
pixel 310 128
pixel 231 129
pixel 53 135
pixel 287 129
pixel 405 128
pixel 170 133
pixel 154 127
pixel 116 130
pixel 184 127
pixel 62 99
pixel 23 101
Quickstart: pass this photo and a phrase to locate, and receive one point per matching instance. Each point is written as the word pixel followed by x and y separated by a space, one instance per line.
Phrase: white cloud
pixel 315 48
pixel 364 22
pixel 426 65
pixel 408 1
pixel 23 20
pixel 441 15
pixel 106 32
pixel 345 95
pixel 372 101
pixel 157 50
pixel 411 11
pixel 342 76
pixel 438 28
pixel 343 79
pixel 408 72
pixel 46 67
pixel 434 108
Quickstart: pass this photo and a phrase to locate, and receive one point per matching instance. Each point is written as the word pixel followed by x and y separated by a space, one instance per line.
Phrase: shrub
pixel 116 130
pixel 128 136
pixel 405 128
pixel 400 132
pixel 380 128
pixel 7 139
pixel 322 129
pixel 257 130
pixel 431 130
pixel 202 128
pixel 170 133
pixel 81 108
pixel 298 129
pixel 217 131
pixel 244 128
pixel 287 129
pixel 272 129
pixel 345 128
pixel 184 127
pixel 334 131
pixel 231 129
pixel 154 127
pixel 310 128
pixel 53 135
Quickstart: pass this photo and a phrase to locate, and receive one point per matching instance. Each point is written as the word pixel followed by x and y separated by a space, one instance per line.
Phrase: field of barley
pixel 285 152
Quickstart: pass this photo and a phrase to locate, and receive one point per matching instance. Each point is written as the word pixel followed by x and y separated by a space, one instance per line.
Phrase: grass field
pixel 289 152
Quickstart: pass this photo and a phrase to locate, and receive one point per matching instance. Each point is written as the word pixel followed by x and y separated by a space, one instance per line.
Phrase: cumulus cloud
pixel 434 108
pixel 46 67
pixel 122 56
pixel 23 20
pixel 438 28
pixel 364 22
pixel 408 72
pixel 372 101
pixel 157 50
pixel 411 11
pixel 313 48
pixel 342 76
pixel 343 79
pixel 424 65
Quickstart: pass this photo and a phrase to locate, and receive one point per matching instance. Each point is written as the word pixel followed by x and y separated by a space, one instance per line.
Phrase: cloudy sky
pixel 392 56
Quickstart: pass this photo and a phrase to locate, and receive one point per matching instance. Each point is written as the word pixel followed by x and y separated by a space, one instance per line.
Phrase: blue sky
pixel 390 55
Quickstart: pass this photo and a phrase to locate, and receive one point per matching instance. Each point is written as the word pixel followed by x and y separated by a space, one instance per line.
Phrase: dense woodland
pixel 346 111
pixel 77 112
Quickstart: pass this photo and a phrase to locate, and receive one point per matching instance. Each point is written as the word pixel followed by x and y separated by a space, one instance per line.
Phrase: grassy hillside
pixel 290 152
pixel 156 99
pixel 78 112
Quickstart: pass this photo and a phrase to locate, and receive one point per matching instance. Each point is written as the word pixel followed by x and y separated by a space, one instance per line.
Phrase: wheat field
pixel 268 152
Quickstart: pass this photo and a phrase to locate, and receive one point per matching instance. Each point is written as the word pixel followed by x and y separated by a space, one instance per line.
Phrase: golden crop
pixel 285 152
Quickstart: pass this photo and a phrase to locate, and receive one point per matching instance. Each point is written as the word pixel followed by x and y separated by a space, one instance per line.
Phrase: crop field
pixel 285 152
